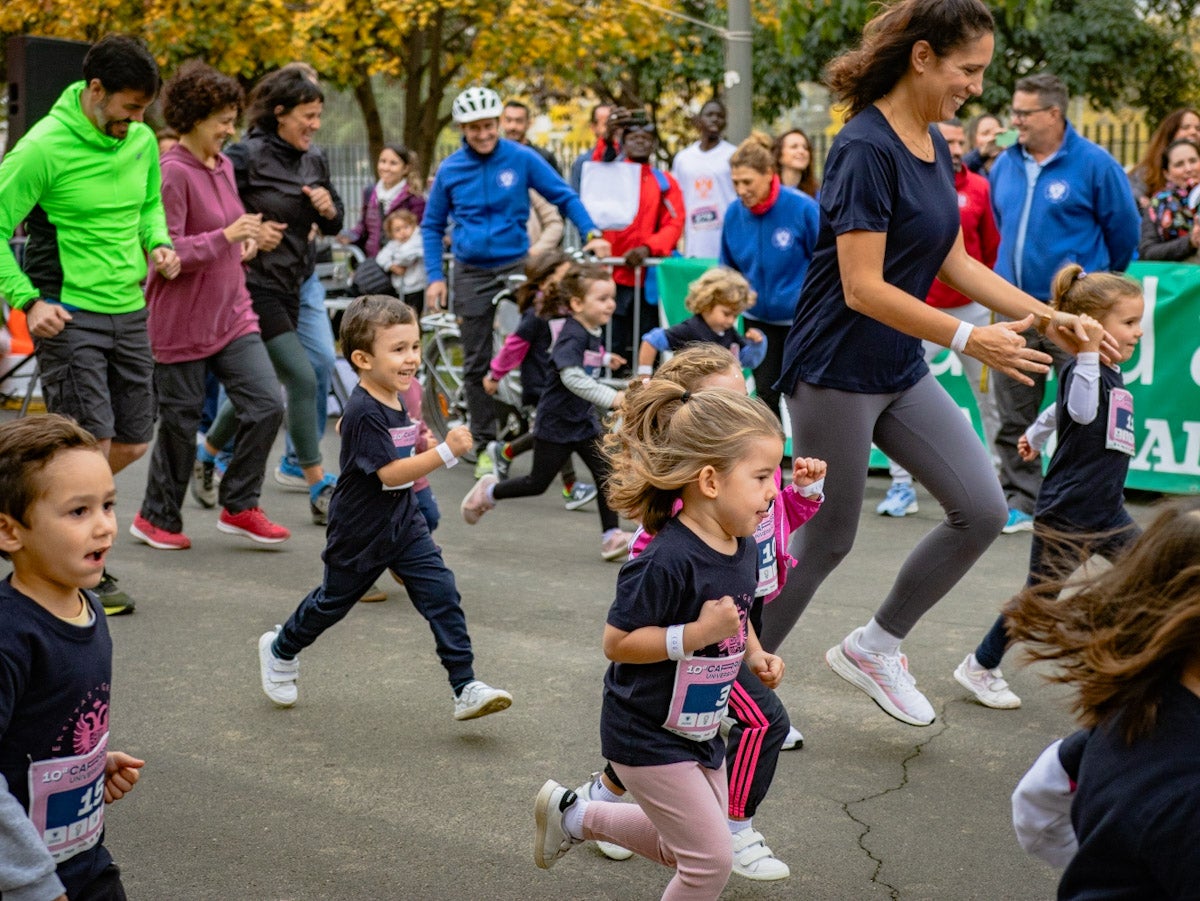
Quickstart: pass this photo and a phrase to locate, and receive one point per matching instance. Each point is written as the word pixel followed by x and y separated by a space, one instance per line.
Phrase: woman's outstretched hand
pixel 1001 347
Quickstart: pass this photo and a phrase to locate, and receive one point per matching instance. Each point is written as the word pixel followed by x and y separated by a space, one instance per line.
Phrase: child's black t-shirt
pixel 564 417
pixel 667 584
pixel 696 330
pixel 368 522
pixel 54 695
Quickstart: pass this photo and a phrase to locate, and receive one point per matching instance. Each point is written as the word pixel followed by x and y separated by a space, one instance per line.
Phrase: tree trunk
pixel 364 93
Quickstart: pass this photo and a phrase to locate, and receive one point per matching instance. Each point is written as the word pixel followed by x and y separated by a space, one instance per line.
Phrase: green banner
pixel 1163 376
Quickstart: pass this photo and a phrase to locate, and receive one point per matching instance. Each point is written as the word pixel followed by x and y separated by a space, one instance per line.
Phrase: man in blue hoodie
pixel 1058 199
pixel 483 187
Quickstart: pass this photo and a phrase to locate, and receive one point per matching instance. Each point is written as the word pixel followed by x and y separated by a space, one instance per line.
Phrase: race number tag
pixel 701 695
pixel 66 801
pixel 768 567
pixel 404 439
pixel 1119 434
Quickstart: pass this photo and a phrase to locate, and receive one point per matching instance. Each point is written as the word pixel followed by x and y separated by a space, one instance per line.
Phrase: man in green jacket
pixel 85 181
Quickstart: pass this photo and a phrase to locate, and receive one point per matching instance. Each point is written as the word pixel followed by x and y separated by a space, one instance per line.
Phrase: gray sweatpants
pixel 923 430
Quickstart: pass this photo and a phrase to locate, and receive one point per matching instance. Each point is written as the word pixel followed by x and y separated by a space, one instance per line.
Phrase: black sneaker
pixel 113 599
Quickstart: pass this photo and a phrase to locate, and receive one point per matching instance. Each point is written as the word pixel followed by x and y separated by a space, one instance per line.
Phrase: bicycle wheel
pixel 444 402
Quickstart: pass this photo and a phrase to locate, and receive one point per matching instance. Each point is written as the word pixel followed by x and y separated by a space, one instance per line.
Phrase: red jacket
pixel 657 225
pixel 979 233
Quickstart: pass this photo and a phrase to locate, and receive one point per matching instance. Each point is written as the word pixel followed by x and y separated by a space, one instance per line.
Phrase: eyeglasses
pixel 646 128
pixel 1016 114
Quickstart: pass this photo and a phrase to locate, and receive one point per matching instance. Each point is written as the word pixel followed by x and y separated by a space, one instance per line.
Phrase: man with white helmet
pixel 484 188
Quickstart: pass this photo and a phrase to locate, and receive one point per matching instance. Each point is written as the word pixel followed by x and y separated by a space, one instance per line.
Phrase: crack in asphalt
pixel 893 891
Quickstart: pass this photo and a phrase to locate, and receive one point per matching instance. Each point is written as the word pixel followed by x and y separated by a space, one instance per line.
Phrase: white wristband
pixel 645 370
pixel 675 642
pixel 447 455
pixel 962 334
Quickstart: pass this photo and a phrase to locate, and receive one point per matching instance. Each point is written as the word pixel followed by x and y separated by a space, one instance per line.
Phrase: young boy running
pixel 56 772
pixel 375 522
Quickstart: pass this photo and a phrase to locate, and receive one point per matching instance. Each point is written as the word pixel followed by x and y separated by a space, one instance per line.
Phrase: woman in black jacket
pixel 280 176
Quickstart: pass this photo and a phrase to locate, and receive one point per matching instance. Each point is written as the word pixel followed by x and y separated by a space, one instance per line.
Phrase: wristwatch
pixel 593 235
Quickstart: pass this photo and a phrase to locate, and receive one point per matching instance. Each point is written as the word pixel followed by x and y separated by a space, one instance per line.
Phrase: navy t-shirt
pixel 1084 488
pixel 564 417
pixel 695 329
pixel 536 369
pixel 368 522
pixel 54 695
pixel 873 183
pixel 667 584
pixel 1136 812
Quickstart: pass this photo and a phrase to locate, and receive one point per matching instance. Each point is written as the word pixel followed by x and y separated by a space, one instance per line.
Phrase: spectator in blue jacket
pixel 484 188
pixel 1058 199
pixel 769 235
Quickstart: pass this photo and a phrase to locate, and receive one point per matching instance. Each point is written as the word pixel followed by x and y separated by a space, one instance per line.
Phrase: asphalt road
pixel 368 789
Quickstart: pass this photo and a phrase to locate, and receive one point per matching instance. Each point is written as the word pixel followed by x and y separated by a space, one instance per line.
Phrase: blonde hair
pixel 720 286
pixel 690 367
pixel 1091 293
pixel 668 435
pixel 757 153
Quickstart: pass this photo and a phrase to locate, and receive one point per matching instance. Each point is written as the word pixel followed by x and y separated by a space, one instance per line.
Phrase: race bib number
pixel 593 360
pixel 404 439
pixel 1119 434
pixel 768 567
pixel 701 695
pixel 66 801
pixel 705 218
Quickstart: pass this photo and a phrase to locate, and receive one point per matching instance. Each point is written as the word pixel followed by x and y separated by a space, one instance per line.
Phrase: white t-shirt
pixel 707 187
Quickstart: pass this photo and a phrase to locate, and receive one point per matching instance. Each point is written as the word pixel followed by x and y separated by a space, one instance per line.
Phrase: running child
pixel 566 421
pixel 1128 641
pixel 403 258
pixel 543 309
pixel 1082 497
pixel 717 299
pixel 56 772
pixel 375 522
pixel 759 726
pixel 678 631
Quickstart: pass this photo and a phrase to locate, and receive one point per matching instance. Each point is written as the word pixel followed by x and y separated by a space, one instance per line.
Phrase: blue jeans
pixel 430 586
pixel 316 336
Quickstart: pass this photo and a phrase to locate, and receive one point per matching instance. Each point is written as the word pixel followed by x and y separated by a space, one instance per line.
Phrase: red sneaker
pixel 253 523
pixel 144 530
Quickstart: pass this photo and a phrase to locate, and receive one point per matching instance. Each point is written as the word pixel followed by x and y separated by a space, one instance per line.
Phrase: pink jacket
pixel 425 440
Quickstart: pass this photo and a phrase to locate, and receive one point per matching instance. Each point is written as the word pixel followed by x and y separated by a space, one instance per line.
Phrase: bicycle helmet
pixel 474 104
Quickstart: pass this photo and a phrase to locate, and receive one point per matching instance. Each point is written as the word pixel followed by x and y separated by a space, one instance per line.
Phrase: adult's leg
pixel 548 458
pixel 622 325
pixel 432 590
pixel 474 289
pixel 244 367
pixel 180 391
pixel 589 452
pixel 131 388
pixel 925 433
pixel 835 426
pixel 760 726
pixel 325 605
pixel 296 375
pixel 685 804
pixel 316 336
pixel 767 373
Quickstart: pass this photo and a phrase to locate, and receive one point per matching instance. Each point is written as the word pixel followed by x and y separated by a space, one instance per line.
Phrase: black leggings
pixel 548 458
pixel 522 443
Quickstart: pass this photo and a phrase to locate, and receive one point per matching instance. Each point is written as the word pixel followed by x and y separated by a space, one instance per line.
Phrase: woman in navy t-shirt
pixel 853 366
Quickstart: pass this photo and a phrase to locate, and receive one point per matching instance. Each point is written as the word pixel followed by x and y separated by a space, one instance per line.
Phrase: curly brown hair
pixel 1124 636
pixel 197 91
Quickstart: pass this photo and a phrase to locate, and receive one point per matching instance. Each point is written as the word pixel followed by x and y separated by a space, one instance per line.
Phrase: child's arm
pixel 583 385
pixel 754 351
pixel 767 666
pixel 409 469
pixel 120 775
pixel 803 498
pixel 26 868
pixel 410 252
pixel 511 355
pixel 1041 807
pixel 1031 443
pixel 718 620
pixel 1083 400
pixel 653 343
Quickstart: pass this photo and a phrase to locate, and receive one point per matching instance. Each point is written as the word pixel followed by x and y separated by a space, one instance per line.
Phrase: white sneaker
pixel 608 849
pixel 794 740
pixel 551 839
pixel 616 546
pixel 884 677
pixel 754 860
pixel 278 676
pixel 987 685
pixel 476 503
pixel 479 699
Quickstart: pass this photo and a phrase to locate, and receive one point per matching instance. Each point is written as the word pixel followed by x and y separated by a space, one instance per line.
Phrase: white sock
pixel 875 639
pixel 736 826
pixel 491 492
pixel 573 819
pixel 601 792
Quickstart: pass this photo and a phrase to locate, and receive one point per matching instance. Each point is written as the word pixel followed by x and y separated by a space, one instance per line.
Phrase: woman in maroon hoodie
pixel 202 321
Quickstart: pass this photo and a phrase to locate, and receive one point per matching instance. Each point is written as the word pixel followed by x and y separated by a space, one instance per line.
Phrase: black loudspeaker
pixel 39 70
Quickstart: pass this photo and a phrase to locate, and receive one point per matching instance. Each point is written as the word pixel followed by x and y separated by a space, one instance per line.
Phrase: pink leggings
pixel 679 820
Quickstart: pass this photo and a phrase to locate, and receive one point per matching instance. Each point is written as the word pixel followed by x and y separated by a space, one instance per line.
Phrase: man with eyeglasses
pixel 1058 199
